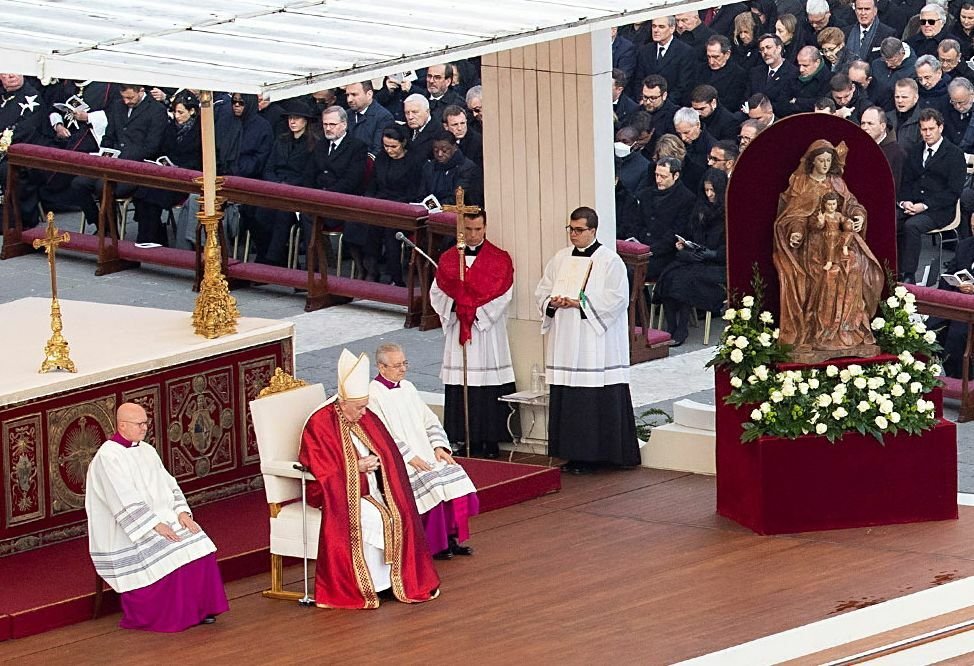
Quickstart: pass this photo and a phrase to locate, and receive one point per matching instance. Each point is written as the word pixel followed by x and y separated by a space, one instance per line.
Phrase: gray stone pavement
pixel 361 326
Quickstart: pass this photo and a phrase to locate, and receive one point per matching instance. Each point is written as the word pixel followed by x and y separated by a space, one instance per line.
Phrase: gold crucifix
pixel 460 210
pixel 56 352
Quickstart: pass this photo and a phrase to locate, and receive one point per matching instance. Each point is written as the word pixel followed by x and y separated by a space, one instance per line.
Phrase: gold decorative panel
pixel 254 376
pixel 74 434
pixel 200 433
pixel 23 462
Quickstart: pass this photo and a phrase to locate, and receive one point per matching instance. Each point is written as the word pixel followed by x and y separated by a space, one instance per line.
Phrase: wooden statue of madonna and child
pixel 830 281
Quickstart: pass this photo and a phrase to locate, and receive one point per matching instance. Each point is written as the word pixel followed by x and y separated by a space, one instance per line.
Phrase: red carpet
pixel 51 587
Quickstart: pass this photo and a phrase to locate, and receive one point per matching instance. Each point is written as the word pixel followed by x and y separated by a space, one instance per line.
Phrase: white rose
pixel 855 370
pixel 824 400
pixel 860 382
pixel 909 298
pixel 882 422
pixel 893 301
pixel 900 291
pixel 756 415
pixel 839 413
pixel 919 366
pixel 813 383
pixel 886 407
pixel 730 314
pixel 765 407
pixel 898 331
pixel 777 396
pixel 873 396
pixel 821 428
pixel 762 372
pixel 740 342
pixel 766 317
pixel 909 308
pixel 803 388
pixel 930 337
pixel 775 333
pixel 840 389
pixel 878 323
pixel 744 313
pixel 876 382
pixel 863 406
pixel 736 382
pixel 897 390
pixel 831 371
pixel 737 356
pixel 903 377
pixel 765 339
pixel 752 380
pixel 845 375
pixel 894 417
pixel 748 301
pixel 935 369
pixel 916 387
pixel 788 390
pixel 906 357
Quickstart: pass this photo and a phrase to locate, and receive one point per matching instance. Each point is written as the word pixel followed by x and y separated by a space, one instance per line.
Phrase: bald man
pixel 142 537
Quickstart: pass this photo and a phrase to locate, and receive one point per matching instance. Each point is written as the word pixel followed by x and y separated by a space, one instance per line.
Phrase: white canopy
pixel 280 48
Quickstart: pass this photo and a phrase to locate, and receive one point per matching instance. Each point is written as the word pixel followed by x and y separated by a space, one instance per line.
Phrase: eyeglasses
pixel 141 424
pixel 475 109
pixel 714 158
pixel 651 98
pixel 237 102
pixel 574 231
pixel 397 366
pixel 929 21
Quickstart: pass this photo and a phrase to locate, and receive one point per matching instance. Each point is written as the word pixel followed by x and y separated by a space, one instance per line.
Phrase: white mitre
pixel 353 376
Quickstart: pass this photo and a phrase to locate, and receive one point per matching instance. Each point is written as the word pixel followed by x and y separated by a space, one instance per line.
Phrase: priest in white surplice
pixel 475 310
pixel 590 417
pixel 142 537
pixel 445 495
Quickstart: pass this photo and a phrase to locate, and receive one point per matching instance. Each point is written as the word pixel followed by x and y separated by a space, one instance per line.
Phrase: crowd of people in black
pixel 417 136
pixel 689 93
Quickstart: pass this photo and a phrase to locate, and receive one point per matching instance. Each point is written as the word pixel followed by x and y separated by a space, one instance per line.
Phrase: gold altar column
pixel 547 150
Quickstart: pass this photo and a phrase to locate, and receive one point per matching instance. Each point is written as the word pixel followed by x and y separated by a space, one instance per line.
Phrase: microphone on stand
pixel 401 237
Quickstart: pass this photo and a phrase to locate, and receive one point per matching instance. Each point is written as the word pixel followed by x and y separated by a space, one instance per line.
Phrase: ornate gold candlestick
pixel 56 351
pixel 216 310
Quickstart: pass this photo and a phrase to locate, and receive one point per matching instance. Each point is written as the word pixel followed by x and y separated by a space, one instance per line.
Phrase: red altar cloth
pixel 779 486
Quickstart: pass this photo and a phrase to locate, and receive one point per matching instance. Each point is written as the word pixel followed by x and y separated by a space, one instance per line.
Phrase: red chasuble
pixel 342 579
pixel 490 276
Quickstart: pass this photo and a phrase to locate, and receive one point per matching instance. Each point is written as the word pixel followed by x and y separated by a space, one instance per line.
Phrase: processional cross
pixel 56 352
pixel 460 210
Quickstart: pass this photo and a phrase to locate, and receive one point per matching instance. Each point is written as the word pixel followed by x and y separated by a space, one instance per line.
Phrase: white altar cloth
pixel 108 342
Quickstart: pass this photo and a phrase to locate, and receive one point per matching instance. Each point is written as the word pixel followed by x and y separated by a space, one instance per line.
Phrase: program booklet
pixel 572 277
pixel 107 152
pixel 958 278
pixel 690 245
pixel 71 105
pixel 162 161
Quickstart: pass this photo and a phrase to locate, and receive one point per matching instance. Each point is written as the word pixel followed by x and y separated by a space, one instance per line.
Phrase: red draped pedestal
pixel 777 486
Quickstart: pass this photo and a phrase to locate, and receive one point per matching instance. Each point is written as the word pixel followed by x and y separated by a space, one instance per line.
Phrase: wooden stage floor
pixel 629 565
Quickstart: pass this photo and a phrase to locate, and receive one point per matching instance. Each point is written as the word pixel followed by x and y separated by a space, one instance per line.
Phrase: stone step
pixel 677 447
pixel 694 414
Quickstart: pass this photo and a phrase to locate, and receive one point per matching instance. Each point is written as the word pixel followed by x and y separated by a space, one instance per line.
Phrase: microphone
pixel 401 237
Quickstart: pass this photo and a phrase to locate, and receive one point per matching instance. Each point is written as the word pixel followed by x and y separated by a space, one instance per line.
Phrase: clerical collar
pixel 385 382
pixel 472 250
pixel 587 251
pixel 117 437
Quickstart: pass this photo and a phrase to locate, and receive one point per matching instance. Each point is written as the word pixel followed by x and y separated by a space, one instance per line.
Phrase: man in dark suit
pixel 933 177
pixel 777 79
pixel 136 127
pixel 448 170
pixel 656 103
pixel 949 53
pixel 933 22
pixel 337 165
pixel 664 210
pixel 863 37
pixel 692 31
pixel 439 86
pixel 727 78
pixel 873 123
pixel 904 119
pixel 717 121
pixel 623 53
pixel 813 80
pixel 958 117
pixel 933 84
pixel 469 140
pixel 892 65
pixel 366 120
pixel 668 57
pixel 622 105
pixel 417 110
pixel 720 19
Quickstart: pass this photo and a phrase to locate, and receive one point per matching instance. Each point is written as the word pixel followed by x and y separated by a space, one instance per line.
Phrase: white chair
pixel 938 236
pixel 279 420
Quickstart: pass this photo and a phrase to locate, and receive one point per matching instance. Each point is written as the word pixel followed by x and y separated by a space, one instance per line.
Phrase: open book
pixel 430 203
pixel 107 152
pixel 690 245
pixel 71 105
pixel 162 161
pixel 958 278
pixel 572 277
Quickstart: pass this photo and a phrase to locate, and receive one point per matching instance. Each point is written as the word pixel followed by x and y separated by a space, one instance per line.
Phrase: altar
pixel 195 392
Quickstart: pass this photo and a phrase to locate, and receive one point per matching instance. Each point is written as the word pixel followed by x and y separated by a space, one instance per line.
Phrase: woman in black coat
pixel 182 145
pixel 395 178
pixel 697 278
pixel 288 164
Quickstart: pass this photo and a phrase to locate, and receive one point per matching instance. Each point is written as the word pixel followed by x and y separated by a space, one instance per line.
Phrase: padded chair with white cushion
pixel 279 420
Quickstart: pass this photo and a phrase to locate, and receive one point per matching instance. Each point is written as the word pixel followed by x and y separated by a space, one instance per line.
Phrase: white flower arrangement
pixel 874 399
pixel 6 138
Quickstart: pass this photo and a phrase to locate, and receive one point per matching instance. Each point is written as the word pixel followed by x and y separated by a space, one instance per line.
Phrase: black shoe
pixel 577 468
pixel 457 549
pixel 491 450
pixel 443 555
pixel 209 619
pixel 386 594
pixel 676 343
